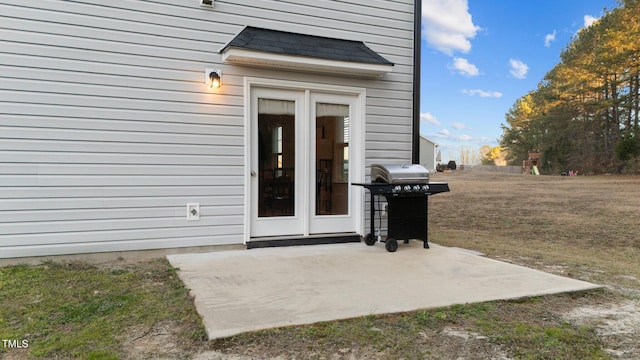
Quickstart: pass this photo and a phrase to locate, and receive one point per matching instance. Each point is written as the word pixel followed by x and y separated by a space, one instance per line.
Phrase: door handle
pixel 253 173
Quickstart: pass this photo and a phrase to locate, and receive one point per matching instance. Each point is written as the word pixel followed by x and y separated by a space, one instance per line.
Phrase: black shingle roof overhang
pixel 282 42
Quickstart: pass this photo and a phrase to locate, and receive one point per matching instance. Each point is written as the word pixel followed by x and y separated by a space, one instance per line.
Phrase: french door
pixel 302 150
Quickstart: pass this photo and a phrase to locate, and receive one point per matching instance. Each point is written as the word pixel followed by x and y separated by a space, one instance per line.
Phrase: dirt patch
pixel 618 325
pixel 158 342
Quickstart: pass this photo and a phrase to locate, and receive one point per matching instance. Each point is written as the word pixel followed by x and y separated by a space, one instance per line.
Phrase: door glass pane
pixel 276 157
pixel 332 159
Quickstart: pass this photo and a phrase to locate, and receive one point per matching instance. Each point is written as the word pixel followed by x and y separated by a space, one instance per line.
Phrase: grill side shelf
pixel 388 189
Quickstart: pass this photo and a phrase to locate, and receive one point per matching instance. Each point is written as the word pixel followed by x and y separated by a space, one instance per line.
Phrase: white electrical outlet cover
pixel 193 211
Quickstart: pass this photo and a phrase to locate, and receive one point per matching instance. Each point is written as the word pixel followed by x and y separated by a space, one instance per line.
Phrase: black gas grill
pixel 406 189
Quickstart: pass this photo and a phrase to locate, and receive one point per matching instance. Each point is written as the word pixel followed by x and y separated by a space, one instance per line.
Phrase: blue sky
pixel 480 56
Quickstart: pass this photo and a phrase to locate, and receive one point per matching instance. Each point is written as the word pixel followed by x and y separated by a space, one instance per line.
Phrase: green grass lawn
pixel 85 312
pixel 80 311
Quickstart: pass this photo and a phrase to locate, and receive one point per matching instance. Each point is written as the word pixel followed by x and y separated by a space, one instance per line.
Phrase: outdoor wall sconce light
pixel 212 78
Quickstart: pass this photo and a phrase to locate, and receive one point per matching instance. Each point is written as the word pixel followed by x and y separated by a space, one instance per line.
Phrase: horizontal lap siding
pixel 107 130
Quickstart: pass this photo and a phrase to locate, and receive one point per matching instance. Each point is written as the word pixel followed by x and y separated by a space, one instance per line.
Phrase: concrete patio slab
pixel 244 290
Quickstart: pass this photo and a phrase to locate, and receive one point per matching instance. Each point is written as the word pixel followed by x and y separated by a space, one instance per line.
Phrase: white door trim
pixel 358 149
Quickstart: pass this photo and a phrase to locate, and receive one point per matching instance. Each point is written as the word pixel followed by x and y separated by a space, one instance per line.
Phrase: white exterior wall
pixel 107 129
pixel 428 151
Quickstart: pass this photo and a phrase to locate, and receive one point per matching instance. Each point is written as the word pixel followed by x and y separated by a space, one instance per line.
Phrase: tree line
pixel 584 114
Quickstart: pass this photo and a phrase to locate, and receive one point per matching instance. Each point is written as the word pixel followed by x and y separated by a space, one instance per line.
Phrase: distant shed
pixel 428 151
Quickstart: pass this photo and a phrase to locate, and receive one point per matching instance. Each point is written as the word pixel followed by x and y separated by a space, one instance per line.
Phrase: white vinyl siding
pixel 107 129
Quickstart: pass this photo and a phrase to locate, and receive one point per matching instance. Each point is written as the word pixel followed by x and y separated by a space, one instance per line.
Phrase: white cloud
pixel 588 20
pixel 549 38
pixel 447 25
pixel 482 93
pixel 518 69
pixel 446 135
pixel 428 118
pixel 464 67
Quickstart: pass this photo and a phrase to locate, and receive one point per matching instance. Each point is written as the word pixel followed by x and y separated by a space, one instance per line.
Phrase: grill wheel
pixel 370 239
pixel 391 244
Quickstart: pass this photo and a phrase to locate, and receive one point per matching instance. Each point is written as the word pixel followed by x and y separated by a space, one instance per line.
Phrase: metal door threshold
pixel 297 240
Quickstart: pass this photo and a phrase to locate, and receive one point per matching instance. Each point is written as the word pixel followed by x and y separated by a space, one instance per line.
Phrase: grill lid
pixel 395 174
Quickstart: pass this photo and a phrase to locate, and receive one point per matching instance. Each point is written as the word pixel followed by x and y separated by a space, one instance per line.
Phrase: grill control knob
pixel 425 188
pixel 407 188
pixel 396 189
pixel 416 188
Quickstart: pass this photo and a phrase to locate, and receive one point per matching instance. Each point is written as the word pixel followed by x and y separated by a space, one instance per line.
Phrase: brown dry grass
pixel 581 227
pixel 588 225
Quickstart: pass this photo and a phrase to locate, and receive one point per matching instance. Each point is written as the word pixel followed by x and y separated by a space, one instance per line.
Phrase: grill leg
pixel 373 216
pixel 426 223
